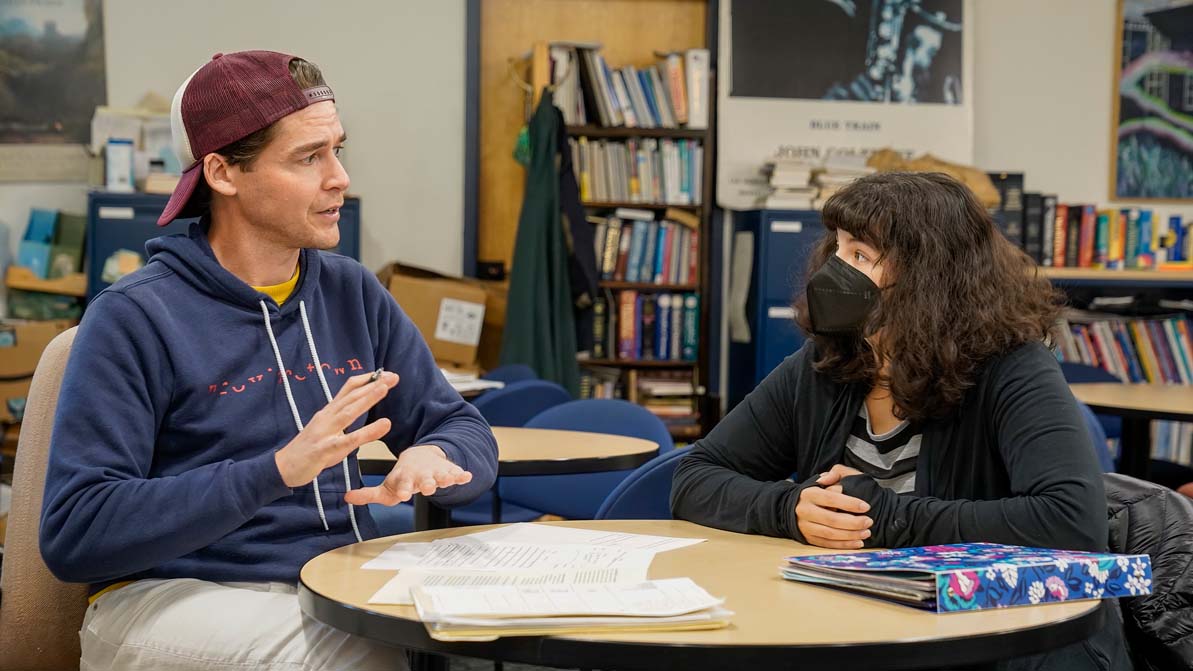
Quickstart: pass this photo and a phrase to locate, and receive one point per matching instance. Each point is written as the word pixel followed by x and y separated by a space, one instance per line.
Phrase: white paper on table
pixel 398 556
pixel 652 598
pixel 476 385
pixel 575 622
pixel 463 553
pixel 528 532
pixel 397 590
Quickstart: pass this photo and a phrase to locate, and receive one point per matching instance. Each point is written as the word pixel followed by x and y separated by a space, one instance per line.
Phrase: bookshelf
pixel 648 286
pixel 1149 278
pixel 1148 338
pixel 633 368
pixel 630 33
pixel 18 277
pixel 613 204
pixel 638 363
pixel 619 132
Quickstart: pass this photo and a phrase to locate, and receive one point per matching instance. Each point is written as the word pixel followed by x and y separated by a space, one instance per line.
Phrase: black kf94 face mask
pixel 840 298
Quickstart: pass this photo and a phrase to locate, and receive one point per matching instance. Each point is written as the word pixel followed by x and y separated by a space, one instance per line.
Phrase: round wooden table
pixel 522 451
pixel 1138 405
pixel 777 623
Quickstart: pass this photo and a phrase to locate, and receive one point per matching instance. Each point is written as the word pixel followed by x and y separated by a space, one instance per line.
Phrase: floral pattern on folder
pixel 977 576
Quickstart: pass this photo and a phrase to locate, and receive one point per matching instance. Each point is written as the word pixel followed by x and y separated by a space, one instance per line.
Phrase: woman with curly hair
pixel 924 409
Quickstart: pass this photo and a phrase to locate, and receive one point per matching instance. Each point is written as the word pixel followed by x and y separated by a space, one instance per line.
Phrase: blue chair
pixel 517 402
pixel 580 496
pixel 646 493
pixel 1078 373
pixel 1101 444
pixel 510 373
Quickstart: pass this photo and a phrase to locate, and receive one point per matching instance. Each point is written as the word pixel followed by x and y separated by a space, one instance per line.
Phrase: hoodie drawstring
pixel 277 353
pixel 306 325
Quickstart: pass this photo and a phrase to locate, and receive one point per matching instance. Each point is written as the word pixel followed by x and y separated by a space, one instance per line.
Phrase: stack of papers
pixel 471 613
pixel 469 382
pixel 529 579
pixel 519 555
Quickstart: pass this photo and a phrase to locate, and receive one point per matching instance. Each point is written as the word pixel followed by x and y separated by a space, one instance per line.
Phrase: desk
pixel 522 451
pixel 1138 405
pixel 777 624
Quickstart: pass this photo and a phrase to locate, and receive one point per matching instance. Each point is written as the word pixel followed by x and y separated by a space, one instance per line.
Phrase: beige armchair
pixel 40 615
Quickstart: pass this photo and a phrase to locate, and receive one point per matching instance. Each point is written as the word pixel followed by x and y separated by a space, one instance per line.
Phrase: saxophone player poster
pixel 816 79
pixel 1152 141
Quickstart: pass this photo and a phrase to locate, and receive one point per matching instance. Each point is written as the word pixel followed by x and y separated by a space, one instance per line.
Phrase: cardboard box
pixel 21 345
pixel 448 311
pixel 496 297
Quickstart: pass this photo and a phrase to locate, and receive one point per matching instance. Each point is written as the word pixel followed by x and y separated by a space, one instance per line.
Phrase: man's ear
pixel 220 175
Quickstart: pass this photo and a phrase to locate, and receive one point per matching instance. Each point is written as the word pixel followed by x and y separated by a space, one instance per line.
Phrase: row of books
pixel 1133 350
pixel 1173 441
pixel 1137 350
pixel 639 170
pixel 671 93
pixel 631 246
pixel 1078 235
pixel 635 326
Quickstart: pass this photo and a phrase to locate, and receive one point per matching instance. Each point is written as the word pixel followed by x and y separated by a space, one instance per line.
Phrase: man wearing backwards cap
pixel 204 444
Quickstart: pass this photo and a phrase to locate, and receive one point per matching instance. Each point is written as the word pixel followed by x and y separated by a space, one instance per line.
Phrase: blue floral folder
pixel 976 576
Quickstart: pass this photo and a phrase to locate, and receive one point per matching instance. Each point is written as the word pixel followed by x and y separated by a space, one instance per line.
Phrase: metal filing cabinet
pixel 783 240
pixel 129 220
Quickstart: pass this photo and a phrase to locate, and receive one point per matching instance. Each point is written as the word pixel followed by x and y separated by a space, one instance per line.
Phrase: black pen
pixel 376 374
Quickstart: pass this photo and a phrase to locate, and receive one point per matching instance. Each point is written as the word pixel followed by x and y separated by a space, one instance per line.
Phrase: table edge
pixel 588 653
pixel 560 466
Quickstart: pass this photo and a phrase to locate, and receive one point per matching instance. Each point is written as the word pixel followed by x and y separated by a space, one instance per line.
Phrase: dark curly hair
pixel 957 292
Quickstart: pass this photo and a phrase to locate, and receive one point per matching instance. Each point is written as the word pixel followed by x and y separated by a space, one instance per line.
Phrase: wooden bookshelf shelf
pixel 637 363
pixel 640 206
pixel 1141 277
pixel 673 133
pixel 647 286
pixel 19 277
pixel 692 432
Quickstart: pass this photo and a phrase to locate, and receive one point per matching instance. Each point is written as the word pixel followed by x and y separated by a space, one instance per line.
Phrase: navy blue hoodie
pixel 162 455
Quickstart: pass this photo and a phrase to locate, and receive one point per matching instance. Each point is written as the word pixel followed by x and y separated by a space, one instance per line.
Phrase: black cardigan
pixel 1014 464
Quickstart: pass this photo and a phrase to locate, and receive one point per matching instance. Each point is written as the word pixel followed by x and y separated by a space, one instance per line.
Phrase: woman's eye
pixel 860 257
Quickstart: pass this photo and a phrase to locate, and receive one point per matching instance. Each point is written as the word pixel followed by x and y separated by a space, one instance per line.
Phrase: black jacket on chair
pixel 1146 518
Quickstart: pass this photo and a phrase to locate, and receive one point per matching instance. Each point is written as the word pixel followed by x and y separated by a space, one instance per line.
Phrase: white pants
pixel 172 625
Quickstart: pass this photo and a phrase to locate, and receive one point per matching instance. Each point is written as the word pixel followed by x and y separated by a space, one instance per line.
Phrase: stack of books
pixel 671 396
pixel 837 171
pixel 791 184
pixel 976 576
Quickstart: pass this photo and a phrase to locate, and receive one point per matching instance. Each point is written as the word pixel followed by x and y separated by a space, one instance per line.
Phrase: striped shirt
pixel 889 458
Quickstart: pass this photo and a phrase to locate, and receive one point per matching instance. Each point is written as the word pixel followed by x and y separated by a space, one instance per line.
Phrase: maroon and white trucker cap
pixel 229 98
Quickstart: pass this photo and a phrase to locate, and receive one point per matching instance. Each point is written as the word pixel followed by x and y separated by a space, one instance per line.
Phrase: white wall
pixel 1043 82
pixel 397 67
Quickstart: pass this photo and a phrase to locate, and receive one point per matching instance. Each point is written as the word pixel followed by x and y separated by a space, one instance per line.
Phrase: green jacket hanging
pixel 540 321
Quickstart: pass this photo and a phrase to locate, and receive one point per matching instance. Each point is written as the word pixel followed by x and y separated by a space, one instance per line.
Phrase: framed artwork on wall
pixel 1151 140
